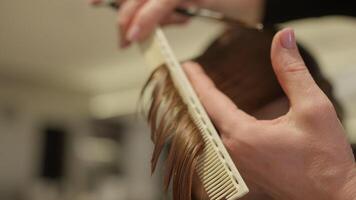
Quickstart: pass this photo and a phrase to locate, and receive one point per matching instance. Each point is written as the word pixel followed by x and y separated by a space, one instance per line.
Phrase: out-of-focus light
pixel 97 150
pixel 115 104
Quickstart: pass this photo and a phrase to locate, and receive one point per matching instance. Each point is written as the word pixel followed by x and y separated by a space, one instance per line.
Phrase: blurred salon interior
pixel 69 128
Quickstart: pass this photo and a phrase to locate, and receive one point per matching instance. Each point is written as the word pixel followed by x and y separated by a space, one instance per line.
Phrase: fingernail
pixel 288 39
pixel 133 33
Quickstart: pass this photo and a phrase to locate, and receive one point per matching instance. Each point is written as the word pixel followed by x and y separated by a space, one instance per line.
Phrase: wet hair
pixel 239 64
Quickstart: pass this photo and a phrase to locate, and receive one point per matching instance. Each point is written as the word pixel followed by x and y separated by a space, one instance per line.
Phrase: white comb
pixel 215 168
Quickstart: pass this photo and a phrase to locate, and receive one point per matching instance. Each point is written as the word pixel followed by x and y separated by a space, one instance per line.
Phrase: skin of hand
pixel 138 18
pixel 301 155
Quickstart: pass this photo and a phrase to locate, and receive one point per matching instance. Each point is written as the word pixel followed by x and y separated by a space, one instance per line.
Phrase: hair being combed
pixel 172 126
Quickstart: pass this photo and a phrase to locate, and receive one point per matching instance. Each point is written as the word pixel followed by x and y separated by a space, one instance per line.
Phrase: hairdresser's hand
pixel 302 155
pixel 138 18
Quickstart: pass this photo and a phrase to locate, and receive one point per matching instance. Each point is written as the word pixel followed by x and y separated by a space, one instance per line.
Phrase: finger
pixel 126 14
pixel 100 2
pixel 175 19
pixel 220 108
pixel 95 2
pixel 290 69
pixel 148 17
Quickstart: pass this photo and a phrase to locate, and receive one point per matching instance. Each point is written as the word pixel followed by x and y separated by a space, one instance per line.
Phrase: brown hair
pixel 239 64
pixel 171 125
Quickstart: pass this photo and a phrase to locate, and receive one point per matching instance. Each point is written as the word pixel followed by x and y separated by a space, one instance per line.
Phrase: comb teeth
pixel 217 179
pixel 214 172
pixel 215 175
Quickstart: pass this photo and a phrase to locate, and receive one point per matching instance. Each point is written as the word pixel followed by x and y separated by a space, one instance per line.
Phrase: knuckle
pixel 168 3
pixel 318 108
pixel 229 143
pixel 156 13
pixel 226 140
pixel 236 141
pixel 121 22
pixel 122 19
pixel 226 128
pixel 146 18
pixel 232 128
pixel 296 67
pixel 164 6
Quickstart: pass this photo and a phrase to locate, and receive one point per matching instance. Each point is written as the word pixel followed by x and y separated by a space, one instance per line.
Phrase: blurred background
pixel 68 98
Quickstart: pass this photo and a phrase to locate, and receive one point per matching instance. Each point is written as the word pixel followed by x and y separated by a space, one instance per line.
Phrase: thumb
pixel 290 69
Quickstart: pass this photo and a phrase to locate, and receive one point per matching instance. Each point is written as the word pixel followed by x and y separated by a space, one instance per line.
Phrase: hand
pixel 138 18
pixel 302 155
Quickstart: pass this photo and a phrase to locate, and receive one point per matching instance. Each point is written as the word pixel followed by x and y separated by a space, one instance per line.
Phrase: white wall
pixel 24 108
